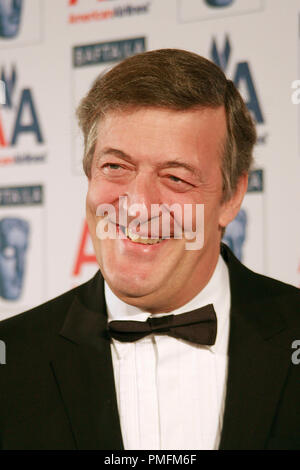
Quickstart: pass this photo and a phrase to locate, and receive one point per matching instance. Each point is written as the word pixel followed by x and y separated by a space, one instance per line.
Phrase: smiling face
pixel 160 156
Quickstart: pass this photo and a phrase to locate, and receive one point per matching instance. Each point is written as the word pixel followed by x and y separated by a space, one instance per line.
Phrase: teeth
pixel 137 239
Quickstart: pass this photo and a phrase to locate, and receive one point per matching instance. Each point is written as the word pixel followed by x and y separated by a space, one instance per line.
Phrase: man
pixel 205 359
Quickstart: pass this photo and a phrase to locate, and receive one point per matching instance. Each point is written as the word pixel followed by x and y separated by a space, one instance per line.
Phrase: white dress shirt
pixel 170 392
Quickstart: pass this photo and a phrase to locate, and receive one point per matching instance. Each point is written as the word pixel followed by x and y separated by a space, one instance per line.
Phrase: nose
pixel 141 194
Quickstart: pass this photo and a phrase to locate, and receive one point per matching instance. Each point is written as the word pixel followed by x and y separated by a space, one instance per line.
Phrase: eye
pixel 112 166
pixel 176 179
pixel 175 183
pixel 113 169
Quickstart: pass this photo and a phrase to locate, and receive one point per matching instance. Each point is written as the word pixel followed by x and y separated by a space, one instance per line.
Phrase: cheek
pixel 101 192
pixel 211 219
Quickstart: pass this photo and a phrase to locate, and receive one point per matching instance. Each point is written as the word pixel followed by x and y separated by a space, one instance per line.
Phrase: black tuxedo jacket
pixel 57 386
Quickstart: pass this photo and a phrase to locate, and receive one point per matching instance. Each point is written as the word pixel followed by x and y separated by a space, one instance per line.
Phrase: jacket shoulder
pixel 43 319
pixel 273 287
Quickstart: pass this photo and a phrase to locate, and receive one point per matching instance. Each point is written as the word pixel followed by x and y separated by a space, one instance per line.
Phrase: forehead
pixel 161 133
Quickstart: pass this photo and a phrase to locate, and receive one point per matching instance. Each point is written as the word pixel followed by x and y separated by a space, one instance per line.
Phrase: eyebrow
pixel 175 163
pixel 113 151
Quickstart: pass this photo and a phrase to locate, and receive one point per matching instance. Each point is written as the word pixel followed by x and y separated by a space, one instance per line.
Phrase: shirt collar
pixel 216 292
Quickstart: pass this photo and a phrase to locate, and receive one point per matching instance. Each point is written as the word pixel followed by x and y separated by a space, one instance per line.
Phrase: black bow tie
pixel 198 326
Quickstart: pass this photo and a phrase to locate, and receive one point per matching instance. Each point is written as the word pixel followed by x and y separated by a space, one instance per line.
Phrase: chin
pixel 131 285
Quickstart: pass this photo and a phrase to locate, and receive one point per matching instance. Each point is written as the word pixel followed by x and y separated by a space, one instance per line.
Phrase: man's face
pixel 158 156
pixel 10 16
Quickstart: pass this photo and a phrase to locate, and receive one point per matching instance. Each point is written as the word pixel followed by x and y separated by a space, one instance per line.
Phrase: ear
pixel 231 207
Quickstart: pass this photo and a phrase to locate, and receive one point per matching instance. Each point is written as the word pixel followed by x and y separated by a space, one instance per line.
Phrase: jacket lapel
pixel 259 358
pixel 83 370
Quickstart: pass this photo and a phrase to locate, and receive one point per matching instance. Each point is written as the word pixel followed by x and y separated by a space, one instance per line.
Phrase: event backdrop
pixel 51 51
